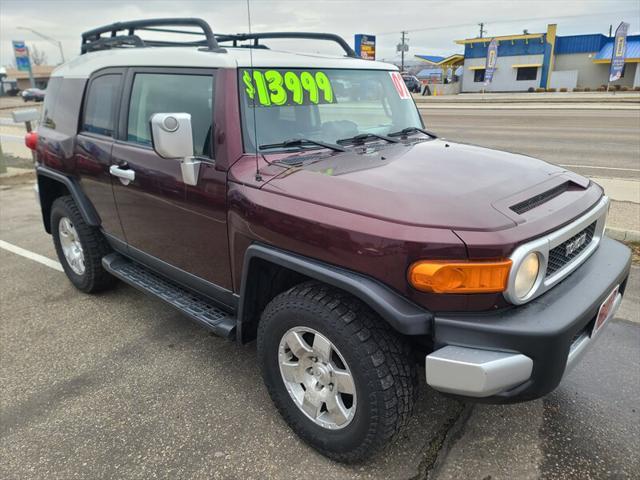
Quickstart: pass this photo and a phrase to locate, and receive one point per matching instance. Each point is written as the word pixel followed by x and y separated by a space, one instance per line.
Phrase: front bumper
pixel 522 353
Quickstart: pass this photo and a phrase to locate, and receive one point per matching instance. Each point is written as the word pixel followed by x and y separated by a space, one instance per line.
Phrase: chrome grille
pixel 560 252
pixel 559 257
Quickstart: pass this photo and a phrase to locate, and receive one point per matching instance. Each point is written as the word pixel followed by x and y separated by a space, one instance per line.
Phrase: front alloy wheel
pixel 339 375
pixel 317 377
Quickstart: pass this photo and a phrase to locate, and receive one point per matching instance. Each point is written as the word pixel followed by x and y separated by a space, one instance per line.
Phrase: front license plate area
pixel 605 310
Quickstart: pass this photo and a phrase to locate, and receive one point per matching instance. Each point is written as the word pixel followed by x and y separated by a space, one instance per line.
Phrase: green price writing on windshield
pixel 279 87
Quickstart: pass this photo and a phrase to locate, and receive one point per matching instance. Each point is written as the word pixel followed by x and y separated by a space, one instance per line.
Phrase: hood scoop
pixel 539 199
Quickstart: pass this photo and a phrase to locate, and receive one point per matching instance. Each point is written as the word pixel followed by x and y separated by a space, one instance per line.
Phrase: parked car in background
pixel 11 91
pixel 412 83
pixel 35 94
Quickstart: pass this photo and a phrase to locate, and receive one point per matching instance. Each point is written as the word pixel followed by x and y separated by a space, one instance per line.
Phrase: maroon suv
pixel 297 200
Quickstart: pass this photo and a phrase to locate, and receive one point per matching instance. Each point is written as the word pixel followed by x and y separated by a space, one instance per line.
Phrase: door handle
pixel 125 176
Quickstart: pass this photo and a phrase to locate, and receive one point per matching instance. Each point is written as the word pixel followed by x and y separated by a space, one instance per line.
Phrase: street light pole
pixel 55 42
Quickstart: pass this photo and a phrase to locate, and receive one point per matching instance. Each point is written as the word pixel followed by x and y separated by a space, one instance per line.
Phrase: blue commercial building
pixel 533 60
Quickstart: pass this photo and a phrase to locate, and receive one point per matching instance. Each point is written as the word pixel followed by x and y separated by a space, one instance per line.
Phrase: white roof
pixel 84 65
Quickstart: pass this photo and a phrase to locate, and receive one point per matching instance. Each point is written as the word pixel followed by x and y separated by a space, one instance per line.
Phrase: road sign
pixel 365 46
pixel 21 52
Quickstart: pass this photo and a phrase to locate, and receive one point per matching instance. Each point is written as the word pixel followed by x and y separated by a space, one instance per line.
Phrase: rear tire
pixel 384 378
pixel 80 247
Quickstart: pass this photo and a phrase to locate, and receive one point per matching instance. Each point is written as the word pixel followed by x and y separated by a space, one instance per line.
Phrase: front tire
pixel 80 247
pixel 341 377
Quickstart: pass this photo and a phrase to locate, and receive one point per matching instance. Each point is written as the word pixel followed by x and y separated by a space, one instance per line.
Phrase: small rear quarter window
pixel 50 99
pixel 99 112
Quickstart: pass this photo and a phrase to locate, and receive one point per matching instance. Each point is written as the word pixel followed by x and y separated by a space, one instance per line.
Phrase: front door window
pixel 171 93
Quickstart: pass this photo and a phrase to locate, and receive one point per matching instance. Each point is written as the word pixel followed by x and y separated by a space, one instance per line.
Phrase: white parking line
pixel 11 138
pixel 31 256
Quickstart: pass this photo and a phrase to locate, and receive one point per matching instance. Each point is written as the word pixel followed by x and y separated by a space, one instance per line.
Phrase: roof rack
pixel 93 40
pixel 123 34
pixel 235 38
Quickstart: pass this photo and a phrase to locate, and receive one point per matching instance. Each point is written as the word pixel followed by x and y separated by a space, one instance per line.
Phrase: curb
pixel 623 235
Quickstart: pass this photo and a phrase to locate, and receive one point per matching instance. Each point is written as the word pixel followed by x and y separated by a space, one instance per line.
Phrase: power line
pixel 527 19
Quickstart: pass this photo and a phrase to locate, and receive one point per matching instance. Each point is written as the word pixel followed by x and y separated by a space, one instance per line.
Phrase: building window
pixel 527 73
pixel 478 76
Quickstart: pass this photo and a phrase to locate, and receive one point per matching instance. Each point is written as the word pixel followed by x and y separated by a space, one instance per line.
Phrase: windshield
pixel 322 105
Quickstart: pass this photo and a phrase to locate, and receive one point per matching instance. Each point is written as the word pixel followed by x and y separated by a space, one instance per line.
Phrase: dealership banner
pixel 492 59
pixel 619 50
pixel 22 55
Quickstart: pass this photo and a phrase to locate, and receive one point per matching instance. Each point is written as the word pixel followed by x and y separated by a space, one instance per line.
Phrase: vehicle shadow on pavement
pixel 120 385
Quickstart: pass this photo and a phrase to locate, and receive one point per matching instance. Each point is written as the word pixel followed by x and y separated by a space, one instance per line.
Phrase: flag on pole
pixel 492 59
pixel 619 50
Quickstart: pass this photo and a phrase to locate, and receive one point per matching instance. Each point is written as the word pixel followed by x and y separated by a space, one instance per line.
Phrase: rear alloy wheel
pixel 71 246
pixel 80 247
pixel 339 375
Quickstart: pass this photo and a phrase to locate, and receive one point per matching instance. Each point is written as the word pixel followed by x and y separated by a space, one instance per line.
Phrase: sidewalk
pixel 563 98
pixel 623 222
pixel 495 105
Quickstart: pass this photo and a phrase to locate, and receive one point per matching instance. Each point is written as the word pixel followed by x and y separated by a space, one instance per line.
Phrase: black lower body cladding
pixel 545 328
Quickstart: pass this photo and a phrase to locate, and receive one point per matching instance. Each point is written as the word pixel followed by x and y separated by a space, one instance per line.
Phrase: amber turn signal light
pixel 444 276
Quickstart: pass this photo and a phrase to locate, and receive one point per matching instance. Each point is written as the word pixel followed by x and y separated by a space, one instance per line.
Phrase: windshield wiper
pixel 302 142
pixel 364 137
pixel 409 130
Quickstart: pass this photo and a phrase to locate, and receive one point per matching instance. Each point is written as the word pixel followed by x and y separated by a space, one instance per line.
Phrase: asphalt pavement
pixel 119 385
pixel 597 143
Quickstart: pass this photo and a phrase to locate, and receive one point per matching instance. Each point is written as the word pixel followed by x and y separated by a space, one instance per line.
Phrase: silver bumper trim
pixel 476 373
pixel 480 373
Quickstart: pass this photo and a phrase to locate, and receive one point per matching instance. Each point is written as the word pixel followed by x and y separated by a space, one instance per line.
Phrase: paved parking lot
pixel 119 385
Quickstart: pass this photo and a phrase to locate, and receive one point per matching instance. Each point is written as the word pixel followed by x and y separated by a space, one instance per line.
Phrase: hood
pixel 430 183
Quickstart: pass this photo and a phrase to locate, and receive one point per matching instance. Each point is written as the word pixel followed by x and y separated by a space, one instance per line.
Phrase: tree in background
pixel 38 57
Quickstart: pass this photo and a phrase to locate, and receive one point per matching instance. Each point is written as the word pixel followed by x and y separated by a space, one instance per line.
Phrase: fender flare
pixel 88 212
pixel 400 313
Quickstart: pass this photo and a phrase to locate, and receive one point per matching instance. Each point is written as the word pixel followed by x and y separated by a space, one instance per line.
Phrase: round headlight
pixel 526 275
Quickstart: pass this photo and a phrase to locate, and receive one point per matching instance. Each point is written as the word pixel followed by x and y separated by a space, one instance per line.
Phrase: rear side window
pixel 172 93
pixel 50 99
pixel 99 112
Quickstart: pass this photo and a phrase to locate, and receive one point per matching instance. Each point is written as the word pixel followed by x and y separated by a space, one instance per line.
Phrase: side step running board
pixel 196 307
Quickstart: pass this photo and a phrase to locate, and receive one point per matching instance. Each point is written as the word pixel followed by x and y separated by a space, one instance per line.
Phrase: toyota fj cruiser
pixel 298 200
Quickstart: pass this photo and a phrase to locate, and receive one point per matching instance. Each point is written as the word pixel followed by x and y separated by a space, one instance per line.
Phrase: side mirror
pixel 172 138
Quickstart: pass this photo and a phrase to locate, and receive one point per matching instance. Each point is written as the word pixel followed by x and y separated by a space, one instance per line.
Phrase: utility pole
pixel 482 30
pixel 402 49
